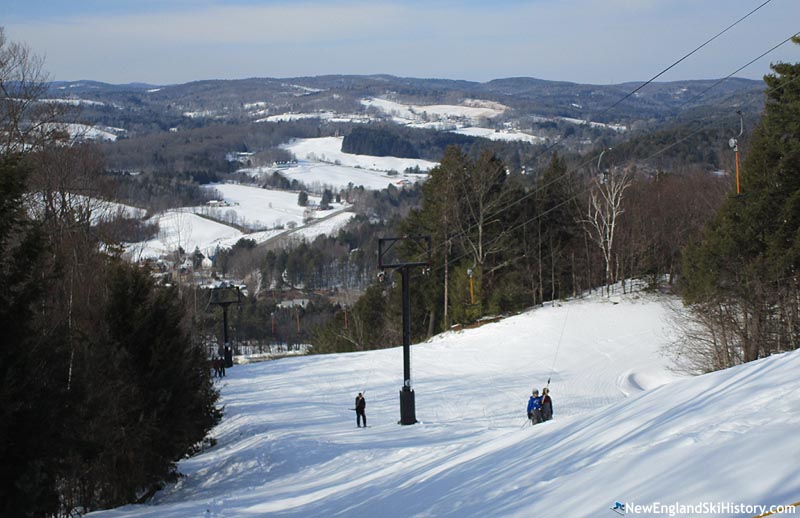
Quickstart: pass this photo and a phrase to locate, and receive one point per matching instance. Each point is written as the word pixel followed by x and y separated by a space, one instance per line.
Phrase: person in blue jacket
pixel 535 407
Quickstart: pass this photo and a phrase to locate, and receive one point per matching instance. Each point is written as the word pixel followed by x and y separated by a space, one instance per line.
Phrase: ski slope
pixel 625 428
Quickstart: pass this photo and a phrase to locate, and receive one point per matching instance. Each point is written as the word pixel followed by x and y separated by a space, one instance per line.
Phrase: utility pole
pixel 388 260
pixel 734 144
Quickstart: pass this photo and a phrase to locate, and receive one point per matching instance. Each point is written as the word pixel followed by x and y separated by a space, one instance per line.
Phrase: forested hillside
pixel 105 384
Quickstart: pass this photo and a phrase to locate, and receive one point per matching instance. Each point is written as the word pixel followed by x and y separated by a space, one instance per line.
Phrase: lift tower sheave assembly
pixel 389 259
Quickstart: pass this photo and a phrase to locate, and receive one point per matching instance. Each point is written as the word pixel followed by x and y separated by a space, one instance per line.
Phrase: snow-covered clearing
pixel 472 109
pixel 329 226
pixel 325 116
pixel 266 212
pixel 505 135
pixel 85 132
pixel 329 150
pixel 181 228
pixel 288 444
pixel 257 208
pixel 73 102
pixel 100 210
pixel 317 176
pixel 619 128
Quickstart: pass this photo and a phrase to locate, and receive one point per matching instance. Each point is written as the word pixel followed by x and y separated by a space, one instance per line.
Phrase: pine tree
pixel 742 278
pixel 33 362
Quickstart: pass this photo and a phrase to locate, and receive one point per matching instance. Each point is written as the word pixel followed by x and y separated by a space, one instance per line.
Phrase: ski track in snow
pixel 288 445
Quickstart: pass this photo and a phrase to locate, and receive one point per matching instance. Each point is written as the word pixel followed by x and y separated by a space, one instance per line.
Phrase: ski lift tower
pixel 734 144
pixel 224 295
pixel 388 259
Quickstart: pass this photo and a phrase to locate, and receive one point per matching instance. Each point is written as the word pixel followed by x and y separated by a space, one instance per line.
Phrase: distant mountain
pixel 194 125
pixel 227 99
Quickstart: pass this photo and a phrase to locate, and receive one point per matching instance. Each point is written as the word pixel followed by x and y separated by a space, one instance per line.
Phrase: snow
pixel 328 226
pixel 180 228
pixel 264 213
pixel 287 445
pixel 505 135
pixel 329 150
pixel 325 115
pixel 619 128
pixel 472 109
pixel 285 117
pixel 73 102
pixel 258 208
pixel 318 175
pixel 86 132
pixel 101 210
pixel 199 114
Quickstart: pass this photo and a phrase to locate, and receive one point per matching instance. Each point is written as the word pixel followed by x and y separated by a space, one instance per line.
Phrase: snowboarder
pixel 547 405
pixel 535 407
pixel 361 405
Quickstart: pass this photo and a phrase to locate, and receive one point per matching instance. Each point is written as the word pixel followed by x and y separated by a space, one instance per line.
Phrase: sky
pixel 584 41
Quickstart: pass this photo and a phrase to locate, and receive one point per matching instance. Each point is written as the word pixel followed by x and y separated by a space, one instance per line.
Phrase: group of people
pixel 540 408
pixel 218 365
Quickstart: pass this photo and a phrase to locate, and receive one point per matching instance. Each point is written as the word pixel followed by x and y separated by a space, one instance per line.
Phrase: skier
pixel 547 405
pixel 535 407
pixel 361 405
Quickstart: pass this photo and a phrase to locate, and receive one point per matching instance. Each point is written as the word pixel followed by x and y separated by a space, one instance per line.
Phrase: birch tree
pixel 603 213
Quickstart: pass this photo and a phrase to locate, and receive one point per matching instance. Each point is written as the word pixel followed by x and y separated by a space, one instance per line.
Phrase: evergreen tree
pixel 741 279
pixel 33 362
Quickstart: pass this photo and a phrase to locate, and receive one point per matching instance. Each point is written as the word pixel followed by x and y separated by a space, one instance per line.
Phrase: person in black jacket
pixel 547 405
pixel 361 405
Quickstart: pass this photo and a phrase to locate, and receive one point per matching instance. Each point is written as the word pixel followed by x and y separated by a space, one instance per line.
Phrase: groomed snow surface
pixel 625 428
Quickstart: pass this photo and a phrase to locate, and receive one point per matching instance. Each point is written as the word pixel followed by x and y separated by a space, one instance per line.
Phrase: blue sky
pixel 587 41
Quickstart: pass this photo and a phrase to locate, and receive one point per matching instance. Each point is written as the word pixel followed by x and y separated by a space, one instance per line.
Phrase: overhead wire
pixel 720 81
pixel 665 70
pixel 673 65
pixel 591 159
pixel 717 83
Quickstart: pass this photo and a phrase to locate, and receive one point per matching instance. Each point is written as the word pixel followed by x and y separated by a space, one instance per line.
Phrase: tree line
pixel 503 243
pixel 104 383
pixel 740 275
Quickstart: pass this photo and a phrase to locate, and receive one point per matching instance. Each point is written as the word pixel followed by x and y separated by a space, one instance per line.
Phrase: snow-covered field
pixel 471 109
pixel 326 116
pixel 267 212
pixel 505 135
pixel 253 207
pixel 319 175
pixel 329 226
pixel 329 150
pixel 182 228
pixel 625 428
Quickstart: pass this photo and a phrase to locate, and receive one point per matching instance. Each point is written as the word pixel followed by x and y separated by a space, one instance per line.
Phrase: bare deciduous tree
pixel 603 213
pixel 25 120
